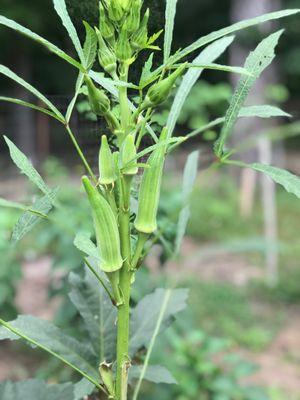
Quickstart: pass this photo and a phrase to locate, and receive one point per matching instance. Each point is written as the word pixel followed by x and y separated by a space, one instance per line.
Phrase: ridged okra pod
pixel 106 228
pixel 149 193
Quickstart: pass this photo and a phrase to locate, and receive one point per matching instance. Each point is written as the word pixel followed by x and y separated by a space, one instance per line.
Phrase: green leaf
pixel 169 27
pixel 82 389
pixel 146 72
pixel 232 29
pixel 10 74
pixel 79 83
pixel 31 217
pixel 51 339
pixel 35 390
pixel 9 23
pixel 262 111
pixel 28 169
pixel 208 55
pixel 220 67
pixel 98 314
pixel 83 243
pixel 189 178
pixel 154 373
pixel 90 45
pixel 256 63
pixel 145 315
pixel 61 9
pixel 290 182
pixel 30 105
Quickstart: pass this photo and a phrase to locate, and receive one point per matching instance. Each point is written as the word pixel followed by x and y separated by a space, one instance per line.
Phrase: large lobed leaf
pixel 256 63
pixel 146 314
pixel 208 55
pixel 97 313
pixel 35 390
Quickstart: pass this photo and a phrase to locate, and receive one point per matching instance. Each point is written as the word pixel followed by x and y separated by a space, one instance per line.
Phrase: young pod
pixel 128 153
pixel 140 37
pixel 115 10
pixel 123 48
pixel 99 102
pixel 149 192
pixel 132 22
pixel 106 229
pixel 161 90
pixel 106 56
pixel 106 164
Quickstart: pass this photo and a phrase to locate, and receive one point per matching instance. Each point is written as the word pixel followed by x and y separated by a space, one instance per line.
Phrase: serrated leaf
pixel 154 373
pixel 99 316
pixel 30 105
pixel 290 182
pixel 35 390
pixel 90 45
pixel 208 55
pixel 61 9
pixel 83 243
pixel 169 27
pixel 9 23
pixel 146 70
pixel 262 111
pixel 51 339
pixel 10 74
pixel 256 63
pixel 145 315
pixel 232 29
pixel 189 178
pixel 26 168
pixel 31 217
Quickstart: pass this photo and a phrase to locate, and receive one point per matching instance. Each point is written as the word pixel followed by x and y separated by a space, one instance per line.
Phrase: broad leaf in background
pixel 28 169
pixel 154 373
pixel 189 178
pixel 61 9
pixel 35 390
pixel 262 111
pixel 51 339
pixel 145 315
pixel 169 27
pixel 256 63
pixel 99 316
pixel 290 182
pixel 11 75
pixel 30 218
pixel 90 45
pixel 9 23
pixel 82 389
pixel 83 243
pixel 208 55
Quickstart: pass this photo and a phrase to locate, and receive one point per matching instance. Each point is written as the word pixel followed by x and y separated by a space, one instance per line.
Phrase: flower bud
pixel 106 374
pixel 106 56
pixel 106 229
pixel 123 48
pixel 132 22
pixel 106 28
pixel 99 102
pixel 140 37
pixel 106 164
pixel 160 91
pixel 128 153
pixel 149 192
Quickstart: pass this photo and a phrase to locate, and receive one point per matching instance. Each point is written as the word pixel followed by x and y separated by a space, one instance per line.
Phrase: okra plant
pixel 123 194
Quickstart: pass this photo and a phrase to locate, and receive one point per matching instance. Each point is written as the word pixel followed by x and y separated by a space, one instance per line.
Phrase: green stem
pixel 142 239
pixel 123 98
pixel 80 153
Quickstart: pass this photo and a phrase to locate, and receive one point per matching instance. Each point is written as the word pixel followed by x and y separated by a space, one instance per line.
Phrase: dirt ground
pixel 279 362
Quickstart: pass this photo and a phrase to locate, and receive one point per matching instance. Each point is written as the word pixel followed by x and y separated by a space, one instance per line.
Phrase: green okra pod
pixel 149 193
pixel 106 164
pixel 106 228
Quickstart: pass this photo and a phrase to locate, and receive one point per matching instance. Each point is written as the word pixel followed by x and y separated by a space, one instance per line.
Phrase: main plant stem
pixel 123 360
